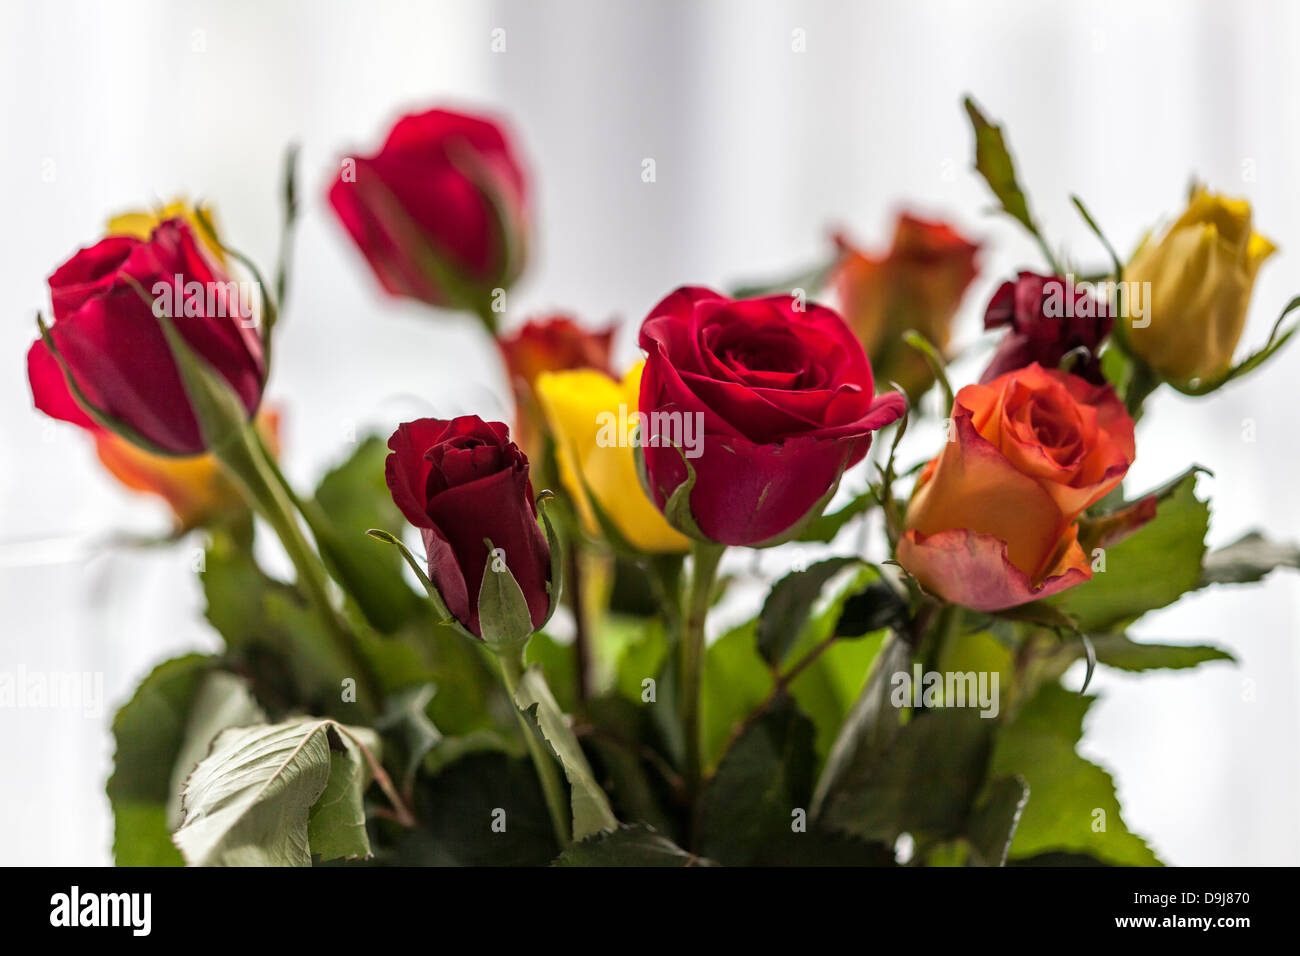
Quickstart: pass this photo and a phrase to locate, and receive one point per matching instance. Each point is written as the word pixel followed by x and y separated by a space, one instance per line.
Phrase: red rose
pixel 767 402
pixel 1047 318
pixel 439 211
pixel 115 347
pixel 464 483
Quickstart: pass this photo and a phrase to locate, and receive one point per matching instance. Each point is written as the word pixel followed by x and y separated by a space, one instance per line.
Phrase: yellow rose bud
pixel 582 408
pixel 1201 272
pixel 140 223
pixel 195 487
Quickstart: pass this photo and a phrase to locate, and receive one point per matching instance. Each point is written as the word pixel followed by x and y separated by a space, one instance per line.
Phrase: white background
pixel 759 151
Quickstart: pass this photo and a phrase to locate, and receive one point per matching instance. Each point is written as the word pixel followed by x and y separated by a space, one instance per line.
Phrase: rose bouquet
pixel 495 647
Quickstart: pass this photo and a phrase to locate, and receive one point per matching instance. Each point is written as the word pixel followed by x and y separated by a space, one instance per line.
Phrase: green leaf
pixel 272 633
pixel 629 763
pixel 222 701
pixel 590 806
pixel 406 720
pixel 1248 559
pixel 924 782
pixel 352 498
pixel 993 825
pixel 149 731
pixel 788 605
pixel 827 526
pixel 762 781
pixel 870 726
pixel 827 689
pixel 1070 798
pixel 336 826
pixel 735 682
pixel 558 663
pixel 1121 653
pixel 874 608
pixel 248 803
pixel 484 809
pixel 1149 570
pixel 993 162
pixel 637 845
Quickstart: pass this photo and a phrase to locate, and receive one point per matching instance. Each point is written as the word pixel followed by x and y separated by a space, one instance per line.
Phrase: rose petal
pixel 972 569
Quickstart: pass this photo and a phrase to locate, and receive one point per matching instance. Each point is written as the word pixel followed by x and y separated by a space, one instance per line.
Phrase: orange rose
pixel 195 486
pixel 993 522
pixel 918 285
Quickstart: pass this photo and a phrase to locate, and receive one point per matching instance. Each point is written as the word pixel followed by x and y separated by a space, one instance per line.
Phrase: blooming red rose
pixel 993 522
pixel 555 344
pixel 1047 317
pixel 766 401
pixel 115 347
pixel 439 212
pixel 464 483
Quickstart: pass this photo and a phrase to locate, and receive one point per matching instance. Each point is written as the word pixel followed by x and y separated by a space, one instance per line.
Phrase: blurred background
pixel 760 150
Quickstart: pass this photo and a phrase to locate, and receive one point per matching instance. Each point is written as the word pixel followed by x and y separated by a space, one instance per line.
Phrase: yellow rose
pixel 1201 273
pixel 582 408
pixel 140 223
pixel 195 487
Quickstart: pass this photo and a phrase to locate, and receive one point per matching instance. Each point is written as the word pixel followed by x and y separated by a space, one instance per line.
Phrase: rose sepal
pixel 556 546
pixel 677 506
pixel 440 611
pixel 502 609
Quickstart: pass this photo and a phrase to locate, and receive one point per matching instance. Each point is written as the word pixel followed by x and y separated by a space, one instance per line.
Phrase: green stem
pixel 512 670
pixel 581 630
pixel 1142 382
pixel 704 566
pixel 936 634
pixel 245 460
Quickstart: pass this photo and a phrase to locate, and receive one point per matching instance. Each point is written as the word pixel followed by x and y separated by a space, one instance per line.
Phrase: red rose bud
pixel 1047 318
pixel 765 401
pixel 439 211
pixel 110 339
pixel 464 484
pixel 555 344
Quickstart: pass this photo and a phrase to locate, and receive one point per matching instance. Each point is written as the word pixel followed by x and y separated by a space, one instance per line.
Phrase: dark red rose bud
pixel 1047 317
pixel 463 483
pixel 766 400
pixel 116 350
pixel 439 212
